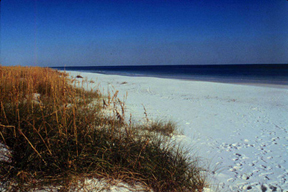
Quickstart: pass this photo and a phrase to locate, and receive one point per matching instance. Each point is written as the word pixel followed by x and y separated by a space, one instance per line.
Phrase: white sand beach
pixel 239 131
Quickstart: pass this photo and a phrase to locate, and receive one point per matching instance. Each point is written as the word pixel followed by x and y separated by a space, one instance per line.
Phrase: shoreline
pixel 239 129
pixel 259 83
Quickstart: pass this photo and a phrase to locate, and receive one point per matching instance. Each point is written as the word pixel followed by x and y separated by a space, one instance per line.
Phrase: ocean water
pixel 261 74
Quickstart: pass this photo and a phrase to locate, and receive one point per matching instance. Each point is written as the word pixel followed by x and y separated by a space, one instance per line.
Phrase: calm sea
pixel 262 74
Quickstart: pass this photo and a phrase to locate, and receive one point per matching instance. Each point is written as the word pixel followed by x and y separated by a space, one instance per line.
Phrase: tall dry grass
pixel 55 132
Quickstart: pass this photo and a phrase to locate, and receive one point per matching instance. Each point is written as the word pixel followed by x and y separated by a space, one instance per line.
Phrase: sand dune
pixel 238 130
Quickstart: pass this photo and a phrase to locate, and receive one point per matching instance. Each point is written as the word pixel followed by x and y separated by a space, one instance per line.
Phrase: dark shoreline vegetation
pixel 56 133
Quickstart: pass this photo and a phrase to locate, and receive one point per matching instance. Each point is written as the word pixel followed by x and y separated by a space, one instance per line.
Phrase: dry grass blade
pixel 32 146
pixel 40 137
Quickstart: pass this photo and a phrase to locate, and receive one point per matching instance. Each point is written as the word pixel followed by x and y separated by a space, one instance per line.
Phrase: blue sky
pixel 143 32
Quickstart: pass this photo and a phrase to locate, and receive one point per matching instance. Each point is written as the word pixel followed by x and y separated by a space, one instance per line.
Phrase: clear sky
pixel 143 32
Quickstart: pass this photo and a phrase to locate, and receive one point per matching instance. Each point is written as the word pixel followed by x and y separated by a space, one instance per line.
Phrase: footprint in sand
pixel 246 176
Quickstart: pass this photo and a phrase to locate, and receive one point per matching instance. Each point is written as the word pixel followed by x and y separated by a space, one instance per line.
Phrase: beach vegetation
pixel 54 132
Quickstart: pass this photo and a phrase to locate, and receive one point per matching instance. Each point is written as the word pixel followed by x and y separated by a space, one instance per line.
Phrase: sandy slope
pixel 239 129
